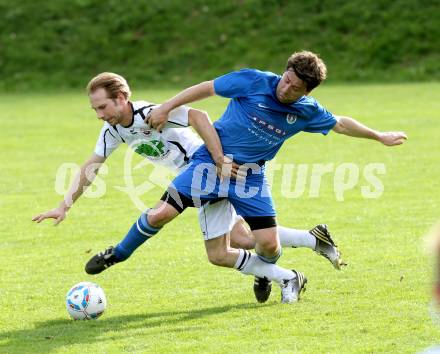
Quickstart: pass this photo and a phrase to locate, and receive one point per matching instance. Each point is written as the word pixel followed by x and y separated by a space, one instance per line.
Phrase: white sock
pixel 248 263
pixel 296 238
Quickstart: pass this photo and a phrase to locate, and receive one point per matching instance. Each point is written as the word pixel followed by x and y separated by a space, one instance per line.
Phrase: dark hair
pixel 308 67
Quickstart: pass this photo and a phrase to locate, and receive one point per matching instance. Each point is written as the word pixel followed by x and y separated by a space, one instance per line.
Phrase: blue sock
pixel 140 232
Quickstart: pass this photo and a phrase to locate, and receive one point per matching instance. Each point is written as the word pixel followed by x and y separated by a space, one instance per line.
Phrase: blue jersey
pixel 252 130
pixel 255 124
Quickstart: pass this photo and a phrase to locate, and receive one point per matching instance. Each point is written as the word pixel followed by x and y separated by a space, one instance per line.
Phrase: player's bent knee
pixel 269 247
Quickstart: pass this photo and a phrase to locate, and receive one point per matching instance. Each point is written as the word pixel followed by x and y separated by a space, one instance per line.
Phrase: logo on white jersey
pixel 291 118
pixel 153 149
pixel 157 176
pixel 146 132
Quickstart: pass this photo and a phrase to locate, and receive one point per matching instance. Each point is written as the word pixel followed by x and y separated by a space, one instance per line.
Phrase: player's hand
pixel 392 138
pixel 59 214
pixel 158 117
pixel 226 168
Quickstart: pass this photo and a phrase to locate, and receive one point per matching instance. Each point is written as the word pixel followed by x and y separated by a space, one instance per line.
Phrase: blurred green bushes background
pixel 61 44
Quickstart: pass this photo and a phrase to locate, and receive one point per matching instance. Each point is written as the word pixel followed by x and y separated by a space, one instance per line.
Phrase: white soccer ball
pixel 85 301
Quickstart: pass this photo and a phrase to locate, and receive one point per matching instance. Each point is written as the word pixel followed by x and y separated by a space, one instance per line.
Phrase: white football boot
pixel 291 289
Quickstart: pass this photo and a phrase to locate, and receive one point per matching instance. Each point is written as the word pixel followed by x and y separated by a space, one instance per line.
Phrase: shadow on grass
pixel 50 335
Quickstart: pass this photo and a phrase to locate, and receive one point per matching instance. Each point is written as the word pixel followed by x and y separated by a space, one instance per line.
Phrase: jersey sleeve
pixel 322 121
pixel 236 84
pixel 178 117
pixel 107 141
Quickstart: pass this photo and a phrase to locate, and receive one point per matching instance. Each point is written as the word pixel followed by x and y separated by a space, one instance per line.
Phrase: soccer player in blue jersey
pixel 265 110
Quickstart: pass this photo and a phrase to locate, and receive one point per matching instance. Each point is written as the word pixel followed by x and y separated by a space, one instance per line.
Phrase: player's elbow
pixel 197 118
pixel 339 126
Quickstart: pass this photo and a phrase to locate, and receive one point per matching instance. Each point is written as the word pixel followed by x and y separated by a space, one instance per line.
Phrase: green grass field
pixel 167 297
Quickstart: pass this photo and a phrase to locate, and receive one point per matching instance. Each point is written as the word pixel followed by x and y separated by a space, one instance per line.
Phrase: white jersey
pixel 172 148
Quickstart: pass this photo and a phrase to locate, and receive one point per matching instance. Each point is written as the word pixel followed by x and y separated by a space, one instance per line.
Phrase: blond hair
pixel 112 83
pixel 309 67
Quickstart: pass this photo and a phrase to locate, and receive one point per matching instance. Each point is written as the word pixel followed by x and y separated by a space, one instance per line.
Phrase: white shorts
pixel 217 219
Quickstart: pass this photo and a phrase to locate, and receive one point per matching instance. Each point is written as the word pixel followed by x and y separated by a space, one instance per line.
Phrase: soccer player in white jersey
pixel 172 147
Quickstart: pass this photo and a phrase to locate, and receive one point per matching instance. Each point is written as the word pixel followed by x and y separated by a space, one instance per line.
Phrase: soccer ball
pixel 85 301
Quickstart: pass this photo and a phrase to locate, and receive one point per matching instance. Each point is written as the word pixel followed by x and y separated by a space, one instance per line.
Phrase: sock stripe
pixel 240 259
pixel 142 231
pixel 245 259
pixel 145 228
pixel 139 232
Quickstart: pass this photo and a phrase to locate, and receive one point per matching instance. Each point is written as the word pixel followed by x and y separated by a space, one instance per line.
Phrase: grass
pixel 167 297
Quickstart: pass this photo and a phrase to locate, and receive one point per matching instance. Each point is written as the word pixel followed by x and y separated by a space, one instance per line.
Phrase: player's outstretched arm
pixel 351 127
pixel 159 116
pixel 83 179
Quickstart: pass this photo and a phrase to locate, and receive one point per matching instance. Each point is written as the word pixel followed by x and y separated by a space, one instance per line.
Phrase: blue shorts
pixel 251 197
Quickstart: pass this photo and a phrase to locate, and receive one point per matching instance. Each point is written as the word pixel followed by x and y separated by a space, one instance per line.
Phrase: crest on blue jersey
pixel 291 118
